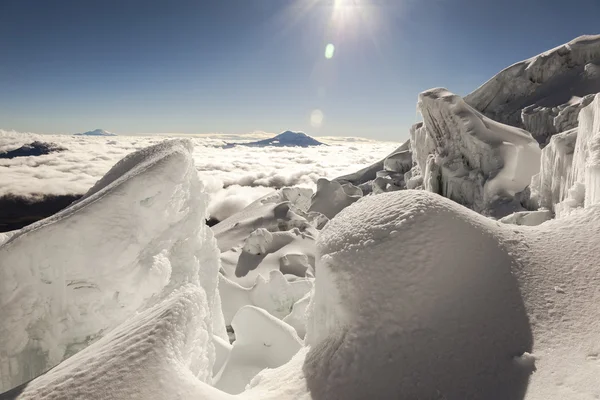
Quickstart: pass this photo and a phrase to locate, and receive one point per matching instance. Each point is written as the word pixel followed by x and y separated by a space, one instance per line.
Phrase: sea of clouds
pixel 234 177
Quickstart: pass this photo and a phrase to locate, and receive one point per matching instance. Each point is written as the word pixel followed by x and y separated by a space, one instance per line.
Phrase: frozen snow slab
pixel 550 79
pixel 470 158
pixel 419 297
pixel 262 341
pixel 276 295
pixel 67 280
pixel 162 353
pixel 332 196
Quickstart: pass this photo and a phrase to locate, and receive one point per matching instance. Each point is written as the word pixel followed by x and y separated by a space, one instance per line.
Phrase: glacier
pixel 138 234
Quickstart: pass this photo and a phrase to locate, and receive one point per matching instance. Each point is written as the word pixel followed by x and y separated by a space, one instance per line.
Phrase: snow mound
pixel 542 87
pixel 455 306
pixel 427 307
pixel 137 235
pixel 470 158
pixel 284 139
pixel 262 341
pixel 96 132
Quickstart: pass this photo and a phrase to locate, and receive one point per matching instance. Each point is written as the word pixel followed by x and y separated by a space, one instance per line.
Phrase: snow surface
pixel 454 305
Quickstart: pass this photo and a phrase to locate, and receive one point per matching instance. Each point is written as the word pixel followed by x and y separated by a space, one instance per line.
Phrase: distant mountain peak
pixel 284 139
pixel 96 132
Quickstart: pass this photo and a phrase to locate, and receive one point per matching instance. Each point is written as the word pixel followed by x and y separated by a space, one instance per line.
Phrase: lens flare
pixel 329 50
pixel 316 118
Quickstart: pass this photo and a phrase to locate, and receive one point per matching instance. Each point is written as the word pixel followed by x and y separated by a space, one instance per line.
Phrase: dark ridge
pixel 36 148
pixel 17 212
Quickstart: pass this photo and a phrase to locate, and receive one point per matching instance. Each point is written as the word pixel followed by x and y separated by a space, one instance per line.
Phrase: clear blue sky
pixel 235 66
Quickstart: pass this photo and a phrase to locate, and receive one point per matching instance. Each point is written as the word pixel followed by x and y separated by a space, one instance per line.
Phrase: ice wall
pixel 137 235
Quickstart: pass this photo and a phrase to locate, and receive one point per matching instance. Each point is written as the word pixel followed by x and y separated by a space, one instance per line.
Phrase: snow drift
pixel 138 234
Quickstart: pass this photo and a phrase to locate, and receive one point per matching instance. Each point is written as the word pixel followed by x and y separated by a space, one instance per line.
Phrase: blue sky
pixel 237 66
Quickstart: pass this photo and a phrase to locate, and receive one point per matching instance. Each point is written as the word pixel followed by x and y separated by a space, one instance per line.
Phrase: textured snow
pixel 454 305
pixel 470 158
pixel 165 352
pixel 66 280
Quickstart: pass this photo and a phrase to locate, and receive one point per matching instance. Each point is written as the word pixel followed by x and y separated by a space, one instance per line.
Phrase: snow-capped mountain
pixel 96 132
pixel 284 139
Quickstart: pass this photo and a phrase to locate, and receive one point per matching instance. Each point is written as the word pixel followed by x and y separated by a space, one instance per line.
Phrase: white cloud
pixel 234 176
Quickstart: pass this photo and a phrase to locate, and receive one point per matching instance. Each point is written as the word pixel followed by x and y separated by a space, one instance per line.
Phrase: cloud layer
pixel 234 177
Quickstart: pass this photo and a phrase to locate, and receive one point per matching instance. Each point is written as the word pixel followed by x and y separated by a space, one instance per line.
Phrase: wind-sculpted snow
pixel 137 235
pixel 419 297
pixel 543 82
pixel 469 158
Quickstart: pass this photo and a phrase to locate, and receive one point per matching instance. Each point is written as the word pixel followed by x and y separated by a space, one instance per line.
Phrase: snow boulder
pixel 417 297
pixel 137 235
pixel 407 306
pixel 470 158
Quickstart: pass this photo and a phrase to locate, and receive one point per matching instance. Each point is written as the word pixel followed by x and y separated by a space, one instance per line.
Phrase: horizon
pixel 350 68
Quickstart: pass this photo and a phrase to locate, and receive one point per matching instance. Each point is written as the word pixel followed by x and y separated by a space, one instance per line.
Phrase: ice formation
pixel 332 197
pixel 569 177
pixel 534 93
pixel 470 158
pixel 139 233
